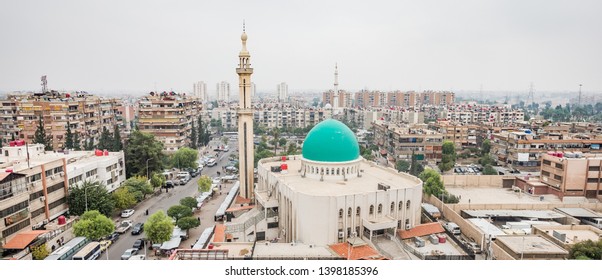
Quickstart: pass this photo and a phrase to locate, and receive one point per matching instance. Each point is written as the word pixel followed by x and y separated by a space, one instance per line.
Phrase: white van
pixel 184 177
pixel 453 228
pixel 211 162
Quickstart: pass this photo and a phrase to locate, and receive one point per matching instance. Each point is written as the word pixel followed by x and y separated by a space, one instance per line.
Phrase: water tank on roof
pixel 20 142
pixel 12 143
pixel 98 153
pixel 284 166
pixel 62 220
pixel 106 152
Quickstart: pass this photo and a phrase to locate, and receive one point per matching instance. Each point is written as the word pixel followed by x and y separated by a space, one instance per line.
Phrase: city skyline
pixel 140 46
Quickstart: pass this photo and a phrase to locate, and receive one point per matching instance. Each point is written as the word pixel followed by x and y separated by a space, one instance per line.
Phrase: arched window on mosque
pixel 358 211
pixel 380 208
pixel 392 207
pixel 400 205
pixel 349 211
pixel 408 205
pixel 371 209
pixel 340 213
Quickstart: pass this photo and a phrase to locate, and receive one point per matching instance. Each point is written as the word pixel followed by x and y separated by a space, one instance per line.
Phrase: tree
pixel 415 167
pixel 292 149
pixel 486 160
pixel 157 180
pixel 225 140
pixel 40 136
pixel 95 194
pixel 68 138
pixel 158 227
pixel 117 144
pixel 187 223
pixel 123 198
pixel 138 186
pixel 489 170
pixel 402 165
pixel 189 202
pixel 448 158
pixel 261 155
pixel 282 142
pixel 179 211
pixel 193 136
pixel 76 142
pixel 204 183
pixel 106 140
pixel 185 158
pixel 587 250
pixel 140 148
pixel 39 252
pixel 432 183
pixel 93 225
pixel 485 147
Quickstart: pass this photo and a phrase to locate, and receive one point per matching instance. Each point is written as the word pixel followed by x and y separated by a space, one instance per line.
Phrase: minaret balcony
pixel 244 111
pixel 244 71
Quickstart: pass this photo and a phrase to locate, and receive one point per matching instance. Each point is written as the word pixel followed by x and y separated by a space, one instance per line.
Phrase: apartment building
pixel 345 98
pixel 85 113
pixel 400 142
pixel 168 116
pixel 460 135
pixel 34 189
pixel 523 149
pixel 365 98
pixel 572 174
pixel 478 114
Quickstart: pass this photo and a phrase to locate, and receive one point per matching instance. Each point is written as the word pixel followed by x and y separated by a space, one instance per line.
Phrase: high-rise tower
pixel 245 121
pixel 335 98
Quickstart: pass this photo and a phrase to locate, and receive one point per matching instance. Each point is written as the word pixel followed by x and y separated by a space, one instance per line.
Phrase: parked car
pixel 124 226
pixel 137 258
pixel 128 253
pixel 193 172
pixel 138 244
pixel 169 184
pixel 105 244
pixel 229 178
pixel 127 213
pixel 112 237
pixel 138 228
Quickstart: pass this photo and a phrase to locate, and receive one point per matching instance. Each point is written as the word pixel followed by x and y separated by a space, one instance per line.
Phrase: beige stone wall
pixel 499 253
pixel 473 180
pixel 467 228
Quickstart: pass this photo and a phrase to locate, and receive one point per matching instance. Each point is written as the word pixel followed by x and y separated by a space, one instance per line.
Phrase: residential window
pixel 48 173
pixel 559 166
pixel 547 162
pixel 545 173
pixel 594 168
pixel 558 177
pixel 35 177
pixel 592 180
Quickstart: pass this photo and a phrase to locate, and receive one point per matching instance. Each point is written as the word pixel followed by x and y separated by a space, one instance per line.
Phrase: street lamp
pixel 147 168
pixel 86 196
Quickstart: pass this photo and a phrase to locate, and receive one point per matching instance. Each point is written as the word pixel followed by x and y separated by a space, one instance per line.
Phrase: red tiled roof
pixel 362 252
pixel 421 230
pixel 234 209
pixel 21 240
pixel 219 233
pixel 242 200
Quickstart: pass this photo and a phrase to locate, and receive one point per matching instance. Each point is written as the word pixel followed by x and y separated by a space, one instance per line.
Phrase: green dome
pixel 331 141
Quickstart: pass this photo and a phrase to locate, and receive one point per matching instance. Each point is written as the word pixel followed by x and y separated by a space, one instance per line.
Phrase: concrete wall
pixel 467 228
pixel 499 253
pixel 473 180
pixel 516 206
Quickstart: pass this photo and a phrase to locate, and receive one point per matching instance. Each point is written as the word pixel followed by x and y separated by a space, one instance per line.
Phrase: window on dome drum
pixel 357 211
pixel 400 205
pixel 371 209
pixel 408 205
pixel 392 207
pixel 340 213
pixel 349 212
pixel 327 171
pixel 380 208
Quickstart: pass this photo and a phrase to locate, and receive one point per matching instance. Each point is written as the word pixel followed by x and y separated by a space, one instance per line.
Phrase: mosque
pixel 324 196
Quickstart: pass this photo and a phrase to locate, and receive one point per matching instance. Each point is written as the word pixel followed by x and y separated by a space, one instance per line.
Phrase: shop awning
pixel 173 243
pixel 22 240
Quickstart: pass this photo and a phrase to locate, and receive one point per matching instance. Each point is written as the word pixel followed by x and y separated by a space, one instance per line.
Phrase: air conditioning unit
pixel 276 219
pixel 408 227
pixel 341 234
pixel 43 198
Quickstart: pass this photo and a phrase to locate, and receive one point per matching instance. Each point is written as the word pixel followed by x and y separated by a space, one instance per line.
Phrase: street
pixel 165 200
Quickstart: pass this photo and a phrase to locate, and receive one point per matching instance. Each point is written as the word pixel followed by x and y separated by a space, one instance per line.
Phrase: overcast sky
pixel 385 45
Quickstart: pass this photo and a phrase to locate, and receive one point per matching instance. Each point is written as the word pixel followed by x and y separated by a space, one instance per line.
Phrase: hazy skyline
pixel 384 45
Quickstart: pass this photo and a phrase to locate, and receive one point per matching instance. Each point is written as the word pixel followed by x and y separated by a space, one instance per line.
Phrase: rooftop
pixel 530 244
pixel 372 175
